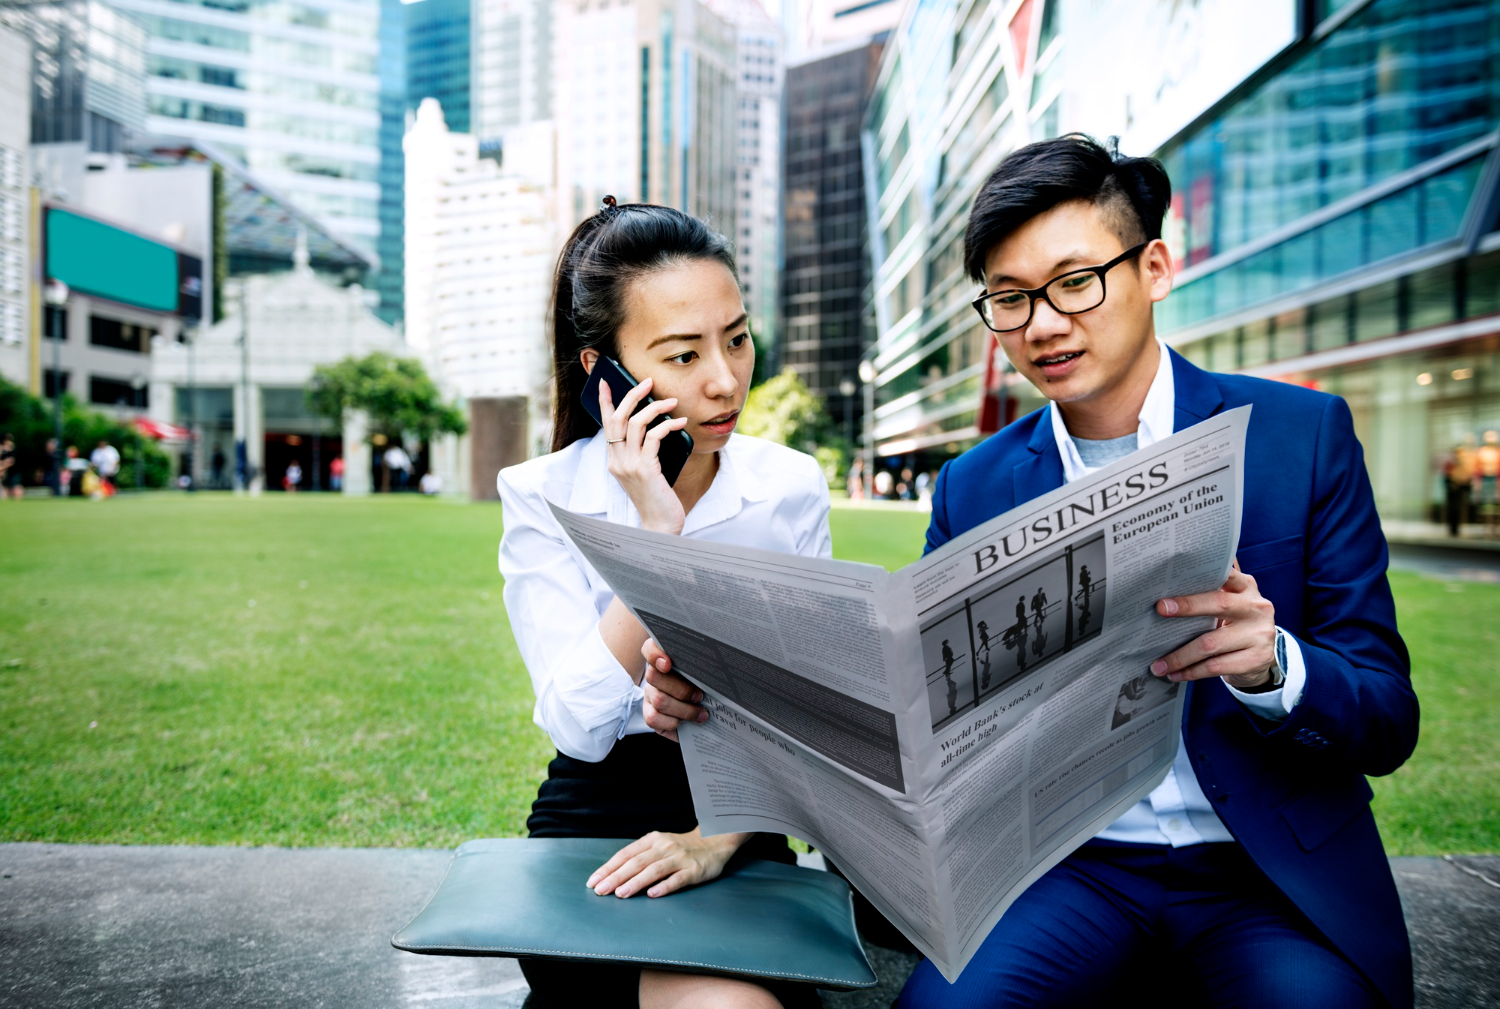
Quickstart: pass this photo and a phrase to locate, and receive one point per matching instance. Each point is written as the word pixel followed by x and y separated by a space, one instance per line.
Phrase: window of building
pixel 1397 85
pixel 1421 214
pixel 50 383
pixel 117 335
pixel 114 392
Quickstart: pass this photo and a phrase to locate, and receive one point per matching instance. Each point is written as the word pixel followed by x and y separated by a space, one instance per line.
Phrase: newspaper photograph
pixel 948 732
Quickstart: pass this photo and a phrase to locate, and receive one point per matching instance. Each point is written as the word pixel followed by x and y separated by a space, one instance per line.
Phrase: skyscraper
pixel 88 66
pixel 512 65
pixel 646 107
pixel 291 90
pixel 425 52
pixel 826 265
pixel 757 234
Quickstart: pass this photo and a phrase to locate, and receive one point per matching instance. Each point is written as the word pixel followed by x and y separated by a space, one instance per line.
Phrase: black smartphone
pixel 676 447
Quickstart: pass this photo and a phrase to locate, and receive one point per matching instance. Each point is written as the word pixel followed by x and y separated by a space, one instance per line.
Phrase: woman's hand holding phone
pixel 660 863
pixel 633 455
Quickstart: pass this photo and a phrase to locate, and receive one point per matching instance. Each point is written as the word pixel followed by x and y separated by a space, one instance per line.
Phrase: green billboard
pixel 94 258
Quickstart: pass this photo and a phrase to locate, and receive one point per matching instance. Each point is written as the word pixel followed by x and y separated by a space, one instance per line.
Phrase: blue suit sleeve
pixel 1358 708
pixel 938 528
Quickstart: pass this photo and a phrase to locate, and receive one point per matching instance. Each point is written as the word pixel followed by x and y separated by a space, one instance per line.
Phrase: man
pixel 106 460
pixel 1254 874
pixel 1256 865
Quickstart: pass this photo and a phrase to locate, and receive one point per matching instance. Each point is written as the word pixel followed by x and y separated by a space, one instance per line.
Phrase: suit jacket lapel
pixel 1041 470
pixel 1195 392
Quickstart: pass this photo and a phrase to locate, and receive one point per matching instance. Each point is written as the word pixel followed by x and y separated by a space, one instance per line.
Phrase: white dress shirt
pixel 1177 812
pixel 764 495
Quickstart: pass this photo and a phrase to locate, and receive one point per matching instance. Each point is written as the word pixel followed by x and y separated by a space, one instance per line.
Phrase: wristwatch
pixel 1277 670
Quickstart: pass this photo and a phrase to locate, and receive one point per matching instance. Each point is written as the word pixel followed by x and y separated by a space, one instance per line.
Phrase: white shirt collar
pixel 1155 420
pixel 597 492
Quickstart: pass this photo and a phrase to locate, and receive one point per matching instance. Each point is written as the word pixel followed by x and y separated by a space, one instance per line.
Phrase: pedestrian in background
pixel 1487 469
pixel 292 478
pixel 856 480
pixel 106 462
pixel 10 470
pixel 73 469
pixel 398 463
pixel 336 473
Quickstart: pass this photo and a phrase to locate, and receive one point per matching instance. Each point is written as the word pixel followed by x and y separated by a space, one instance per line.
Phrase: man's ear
pixel 588 356
pixel 1158 269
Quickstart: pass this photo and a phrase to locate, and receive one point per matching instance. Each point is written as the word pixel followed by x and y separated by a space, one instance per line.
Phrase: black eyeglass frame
pixel 1041 292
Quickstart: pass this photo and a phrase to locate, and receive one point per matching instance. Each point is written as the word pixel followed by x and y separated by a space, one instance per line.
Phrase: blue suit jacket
pixel 1293 794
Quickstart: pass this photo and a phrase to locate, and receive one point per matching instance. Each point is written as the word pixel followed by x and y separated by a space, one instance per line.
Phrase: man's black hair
pixel 1133 193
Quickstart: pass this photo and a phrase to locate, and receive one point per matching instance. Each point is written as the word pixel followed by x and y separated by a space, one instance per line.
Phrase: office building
pixel 1349 243
pixel 512 75
pixel 241 386
pixel 820 25
pixel 826 269
pixel 479 256
pixel 1334 171
pixel 425 52
pixel 291 91
pixel 646 106
pixel 88 72
pixel 19 355
pixel 757 235
pixel 958 88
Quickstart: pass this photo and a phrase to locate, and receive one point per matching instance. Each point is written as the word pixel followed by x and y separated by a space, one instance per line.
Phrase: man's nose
pixel 1046 323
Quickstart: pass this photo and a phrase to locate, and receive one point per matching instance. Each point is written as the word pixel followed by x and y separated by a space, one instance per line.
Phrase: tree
pixel 395 391
pixel 784 410
pixel 30 419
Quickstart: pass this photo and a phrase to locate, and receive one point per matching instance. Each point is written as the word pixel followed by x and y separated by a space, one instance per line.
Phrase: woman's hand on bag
pixel 633 455
pixel 661 863
pixel 670 700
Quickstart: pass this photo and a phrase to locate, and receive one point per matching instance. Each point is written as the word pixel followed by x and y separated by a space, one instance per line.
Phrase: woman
pixel 657 291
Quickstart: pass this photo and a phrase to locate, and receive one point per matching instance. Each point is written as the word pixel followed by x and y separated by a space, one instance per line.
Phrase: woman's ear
pixel 588 356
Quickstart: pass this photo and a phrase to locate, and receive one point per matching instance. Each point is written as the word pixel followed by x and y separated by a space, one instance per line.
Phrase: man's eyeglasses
pixel 1070 294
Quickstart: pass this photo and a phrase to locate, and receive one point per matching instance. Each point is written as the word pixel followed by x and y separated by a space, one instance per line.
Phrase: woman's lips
pixel 724 426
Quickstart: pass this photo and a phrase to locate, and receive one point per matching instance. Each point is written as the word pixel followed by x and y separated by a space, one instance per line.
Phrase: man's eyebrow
pixel 1061 266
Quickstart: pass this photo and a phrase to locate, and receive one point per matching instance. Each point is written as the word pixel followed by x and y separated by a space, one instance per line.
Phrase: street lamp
pixel 867 379
pixel 137 383
pixel 846 389
pixel 57 296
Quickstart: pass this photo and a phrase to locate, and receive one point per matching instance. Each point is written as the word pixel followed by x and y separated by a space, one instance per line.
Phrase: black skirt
pixel 639 787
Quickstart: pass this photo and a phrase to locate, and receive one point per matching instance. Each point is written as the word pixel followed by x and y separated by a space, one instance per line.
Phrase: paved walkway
pixel 137 927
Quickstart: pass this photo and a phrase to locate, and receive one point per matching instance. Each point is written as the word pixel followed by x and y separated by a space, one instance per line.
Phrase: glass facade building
pixel 1337 226
pixel 88 73
pixel 291 90
pixel 424 53
pixel 826 270
pixel 962 83
pixel 1333 218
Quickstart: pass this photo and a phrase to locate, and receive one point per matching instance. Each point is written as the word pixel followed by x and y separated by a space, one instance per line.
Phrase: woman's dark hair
pixel 1133 193
pixel 603 257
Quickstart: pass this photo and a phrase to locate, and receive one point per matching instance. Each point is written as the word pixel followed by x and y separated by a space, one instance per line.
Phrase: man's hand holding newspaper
pixel 949 732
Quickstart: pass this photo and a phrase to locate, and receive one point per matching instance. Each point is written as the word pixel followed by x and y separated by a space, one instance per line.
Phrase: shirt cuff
pixel 1276 705
pixel 593 686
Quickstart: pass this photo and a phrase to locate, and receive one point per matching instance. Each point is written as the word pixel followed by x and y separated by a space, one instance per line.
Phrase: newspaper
pixel 948 732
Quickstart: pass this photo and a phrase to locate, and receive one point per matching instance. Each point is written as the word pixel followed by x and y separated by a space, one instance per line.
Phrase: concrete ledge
pixel 124 927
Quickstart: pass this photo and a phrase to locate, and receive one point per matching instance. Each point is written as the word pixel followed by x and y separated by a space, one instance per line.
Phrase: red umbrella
pixel 162 431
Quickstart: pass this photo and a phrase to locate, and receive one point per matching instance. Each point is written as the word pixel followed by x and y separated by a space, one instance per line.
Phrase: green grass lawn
pixel 320 671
